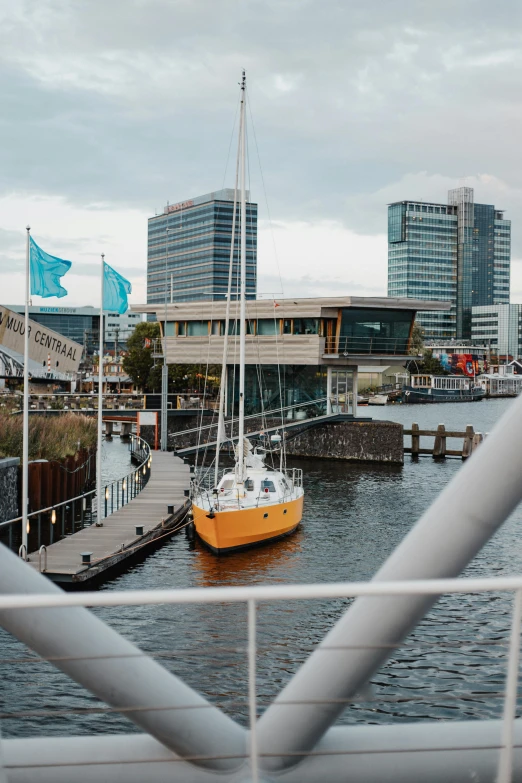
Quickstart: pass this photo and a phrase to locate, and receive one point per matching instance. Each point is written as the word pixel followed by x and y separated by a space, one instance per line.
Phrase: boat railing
pixel 204 483
pixel 476 747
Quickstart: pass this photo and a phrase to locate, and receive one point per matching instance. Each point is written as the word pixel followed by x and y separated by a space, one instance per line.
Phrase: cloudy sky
pixel 111 108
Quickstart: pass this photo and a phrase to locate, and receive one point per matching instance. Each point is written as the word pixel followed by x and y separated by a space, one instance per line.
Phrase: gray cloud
pixel 132 103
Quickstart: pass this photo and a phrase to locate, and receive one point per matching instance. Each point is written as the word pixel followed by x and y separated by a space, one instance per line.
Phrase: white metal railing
pixel 252 595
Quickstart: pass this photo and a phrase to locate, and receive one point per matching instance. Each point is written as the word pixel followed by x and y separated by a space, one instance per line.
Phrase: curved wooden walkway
pixel 116 540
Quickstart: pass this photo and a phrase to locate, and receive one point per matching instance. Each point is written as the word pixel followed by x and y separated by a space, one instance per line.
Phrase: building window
pixel 375 331
pixel 197 328
pixel 268 326
pixel 306 326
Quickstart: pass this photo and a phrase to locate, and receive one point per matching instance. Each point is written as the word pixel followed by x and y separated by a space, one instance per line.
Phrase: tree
pixel 183 378
pixel 138 363
pixel 426 364
pixel 417 340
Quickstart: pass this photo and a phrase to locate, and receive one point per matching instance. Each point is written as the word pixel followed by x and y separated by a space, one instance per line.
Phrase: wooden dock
pixel 471 440
pixel 116 540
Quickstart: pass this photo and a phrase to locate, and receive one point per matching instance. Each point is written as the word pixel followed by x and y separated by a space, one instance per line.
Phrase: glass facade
pixel 265 384
pixel 375 331
pixel 457 252
pixel 194 263
pixel 82 324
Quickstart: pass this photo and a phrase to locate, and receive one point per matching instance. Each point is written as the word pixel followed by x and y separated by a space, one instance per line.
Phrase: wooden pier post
pixel 439 444
pixel 477 440
pixel 467 445
pixel 415 440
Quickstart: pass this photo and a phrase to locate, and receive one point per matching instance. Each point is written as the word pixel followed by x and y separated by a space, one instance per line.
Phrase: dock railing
pixel 490 749
pixel 50 524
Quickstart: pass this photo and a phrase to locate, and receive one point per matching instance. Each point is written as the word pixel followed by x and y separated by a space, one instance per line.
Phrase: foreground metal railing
pixel 50 524
pixel 257 755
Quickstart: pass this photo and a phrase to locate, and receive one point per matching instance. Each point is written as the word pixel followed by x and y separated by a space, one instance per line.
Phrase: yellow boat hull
pixel 242 528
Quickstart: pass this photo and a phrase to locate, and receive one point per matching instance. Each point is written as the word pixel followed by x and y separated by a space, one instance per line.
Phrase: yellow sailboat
pixel 252 503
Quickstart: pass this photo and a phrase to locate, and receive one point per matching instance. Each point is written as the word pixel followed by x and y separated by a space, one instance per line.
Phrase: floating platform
pixel 112 544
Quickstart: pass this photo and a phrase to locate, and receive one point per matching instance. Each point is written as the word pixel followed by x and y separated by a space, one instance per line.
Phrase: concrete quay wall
pixel 354 441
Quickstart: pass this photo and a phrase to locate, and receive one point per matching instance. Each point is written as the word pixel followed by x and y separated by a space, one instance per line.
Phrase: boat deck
pixel 116 540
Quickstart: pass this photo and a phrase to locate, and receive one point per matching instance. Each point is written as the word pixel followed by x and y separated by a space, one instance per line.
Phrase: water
pixel 452 667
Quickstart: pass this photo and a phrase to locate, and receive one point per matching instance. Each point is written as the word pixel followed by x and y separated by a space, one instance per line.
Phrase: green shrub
pixel 50 437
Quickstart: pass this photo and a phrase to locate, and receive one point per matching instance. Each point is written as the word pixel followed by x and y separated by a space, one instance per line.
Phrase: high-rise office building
pixel 499 327
pixel 457 252
pixel 189 249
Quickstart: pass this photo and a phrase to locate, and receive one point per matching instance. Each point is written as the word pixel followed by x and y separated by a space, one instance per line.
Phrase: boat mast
pixel 222 388
pixel 240 465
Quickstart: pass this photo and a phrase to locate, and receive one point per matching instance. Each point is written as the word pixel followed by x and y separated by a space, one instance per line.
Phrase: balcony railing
pixel 344 346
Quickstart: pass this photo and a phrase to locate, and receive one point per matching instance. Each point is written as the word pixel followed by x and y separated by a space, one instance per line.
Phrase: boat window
pixel 249 485
pixel 269 485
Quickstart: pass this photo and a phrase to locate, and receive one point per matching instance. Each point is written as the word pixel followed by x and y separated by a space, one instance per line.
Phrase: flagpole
pixel 100 403
pixel 25 426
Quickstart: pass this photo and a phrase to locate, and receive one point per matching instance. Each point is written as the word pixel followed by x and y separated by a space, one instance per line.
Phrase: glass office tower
pixel 189 250
pixel 457 252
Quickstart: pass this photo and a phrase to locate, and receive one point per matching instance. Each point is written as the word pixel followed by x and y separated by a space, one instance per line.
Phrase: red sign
pixel 177 207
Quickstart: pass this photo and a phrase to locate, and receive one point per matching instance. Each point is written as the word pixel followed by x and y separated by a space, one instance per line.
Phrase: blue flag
pixel 46 272
pixel 115 290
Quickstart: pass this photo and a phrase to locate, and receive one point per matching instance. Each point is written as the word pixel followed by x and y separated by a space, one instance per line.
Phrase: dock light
pixel 53 516
pixel 150 461
pixel 136 476
pixel 84 503
pixel 144 470
pixel 124 485
pixel 28 527
pixel 106 493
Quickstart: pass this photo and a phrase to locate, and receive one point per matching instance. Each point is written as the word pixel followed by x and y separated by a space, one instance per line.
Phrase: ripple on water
pixel 451 667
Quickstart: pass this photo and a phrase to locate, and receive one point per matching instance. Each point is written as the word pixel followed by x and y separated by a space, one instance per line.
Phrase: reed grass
pixel 50 437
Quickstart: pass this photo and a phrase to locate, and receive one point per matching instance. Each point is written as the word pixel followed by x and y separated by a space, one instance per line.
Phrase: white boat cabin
pixel 443 382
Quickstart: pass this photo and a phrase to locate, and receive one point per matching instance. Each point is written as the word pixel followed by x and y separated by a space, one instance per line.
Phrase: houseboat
pixel 442 388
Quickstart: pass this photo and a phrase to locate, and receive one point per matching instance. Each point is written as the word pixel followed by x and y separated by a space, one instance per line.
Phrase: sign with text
pixel 64 354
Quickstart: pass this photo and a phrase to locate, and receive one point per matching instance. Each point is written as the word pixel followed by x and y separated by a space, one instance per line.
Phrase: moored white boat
pixel 252 503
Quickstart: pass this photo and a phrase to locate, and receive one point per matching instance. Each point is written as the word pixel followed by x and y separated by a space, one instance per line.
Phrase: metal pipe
pixel 399 753
pixel 126 678
pixel 25 421
pixel 100 402
pixel 240 464
pixel 441 544
pixel 505 766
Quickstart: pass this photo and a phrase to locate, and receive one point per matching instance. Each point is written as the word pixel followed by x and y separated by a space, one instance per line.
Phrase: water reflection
pixel 452 666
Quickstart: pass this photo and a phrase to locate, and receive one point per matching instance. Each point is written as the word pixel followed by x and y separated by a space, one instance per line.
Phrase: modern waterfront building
pixel 311 348
pixel 457 252
pixel 188 254
pixel 82 324
pixel 499 327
